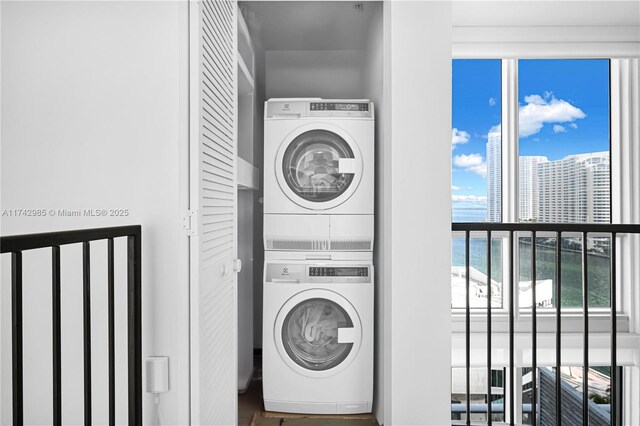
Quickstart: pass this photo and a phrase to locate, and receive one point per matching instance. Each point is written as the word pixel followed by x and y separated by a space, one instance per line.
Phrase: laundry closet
pixel 159 110
pixel 294 49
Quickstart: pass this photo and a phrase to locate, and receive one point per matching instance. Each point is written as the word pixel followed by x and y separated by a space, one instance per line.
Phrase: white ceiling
pixel 309 25
pixel 546 13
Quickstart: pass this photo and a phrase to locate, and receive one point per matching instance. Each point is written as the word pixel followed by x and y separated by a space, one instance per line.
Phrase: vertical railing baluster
pixel 585 334
pixel 489 421
pixel 512 272
pixel 56 341
pixel 467 325
pixel 16 337
pixel 16 246
pixel 86 315
pixel 619 390
pixel 534 331
pixel 134 325
pixel 614 337
pixel 558 327
pixel 111 332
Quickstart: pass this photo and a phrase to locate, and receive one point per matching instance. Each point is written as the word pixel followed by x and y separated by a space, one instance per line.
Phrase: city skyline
pixel 564 110
pixel 573 189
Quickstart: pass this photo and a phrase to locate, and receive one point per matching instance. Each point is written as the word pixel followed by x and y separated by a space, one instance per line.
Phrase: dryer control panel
pixel 318 273
pixel 316 107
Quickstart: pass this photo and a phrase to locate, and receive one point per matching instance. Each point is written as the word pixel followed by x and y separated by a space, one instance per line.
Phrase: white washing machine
pixel 317 351
pixel 318 175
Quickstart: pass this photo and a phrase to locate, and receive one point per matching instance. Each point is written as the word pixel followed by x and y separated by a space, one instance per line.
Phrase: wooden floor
pixel 286 420
pixel 251 408
pixel 250 402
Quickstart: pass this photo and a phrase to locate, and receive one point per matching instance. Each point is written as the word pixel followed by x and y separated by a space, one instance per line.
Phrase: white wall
pixel 545 13
pixel 246 240
pixel 417 199
pixel 374 70
pixel 331 74
pixel 93 115
pixel 258 154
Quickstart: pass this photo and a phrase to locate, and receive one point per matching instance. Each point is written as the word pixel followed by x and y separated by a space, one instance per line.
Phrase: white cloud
pixel 493 101
pixel 559 129
pixel 455 188
pixel 495 129
pixel 540 110
pixel 534 99
pixel 478 199
pixel 458 137
pixel 573 125
pixel 471 163
pixel 464 161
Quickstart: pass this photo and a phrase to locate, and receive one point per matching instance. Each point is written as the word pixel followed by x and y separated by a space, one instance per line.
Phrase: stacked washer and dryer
pixel 318 273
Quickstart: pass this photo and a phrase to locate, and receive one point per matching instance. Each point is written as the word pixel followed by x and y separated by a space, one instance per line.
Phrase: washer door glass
pixel 310 334
pixel 311 165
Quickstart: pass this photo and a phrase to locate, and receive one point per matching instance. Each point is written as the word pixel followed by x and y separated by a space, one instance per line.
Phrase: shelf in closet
pixel 245 46
pixel 245 79
pixel 248 175
pixel 245 58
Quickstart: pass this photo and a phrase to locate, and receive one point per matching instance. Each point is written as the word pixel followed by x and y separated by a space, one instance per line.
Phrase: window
pixel 475 141
pixel 564 172
pixel 478 395
pixel 564 140
pixel 563 165
pixel 476 155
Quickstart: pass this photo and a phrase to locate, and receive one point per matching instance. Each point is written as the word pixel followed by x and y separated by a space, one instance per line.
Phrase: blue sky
pixel 564 109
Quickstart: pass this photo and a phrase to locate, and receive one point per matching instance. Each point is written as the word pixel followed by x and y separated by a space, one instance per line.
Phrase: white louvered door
pixel 213 204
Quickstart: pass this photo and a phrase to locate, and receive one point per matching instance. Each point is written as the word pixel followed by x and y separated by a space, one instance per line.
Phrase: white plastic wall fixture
pixel 157 369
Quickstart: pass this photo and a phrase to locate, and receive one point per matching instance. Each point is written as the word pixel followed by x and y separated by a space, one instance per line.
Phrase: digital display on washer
pixel 316 271
pixel 339 106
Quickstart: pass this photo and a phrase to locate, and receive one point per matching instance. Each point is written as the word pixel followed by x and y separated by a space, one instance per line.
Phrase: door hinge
pixel 190 222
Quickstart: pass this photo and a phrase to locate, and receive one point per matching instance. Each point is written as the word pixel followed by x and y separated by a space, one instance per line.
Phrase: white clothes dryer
pixel 318 175
pixel 318 336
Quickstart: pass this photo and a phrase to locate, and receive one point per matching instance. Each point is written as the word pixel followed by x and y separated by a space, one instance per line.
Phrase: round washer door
pixel 318 166
pixel 318 333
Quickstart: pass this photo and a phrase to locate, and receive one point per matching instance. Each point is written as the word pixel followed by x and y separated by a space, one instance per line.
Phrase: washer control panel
pixel 331 271
pixel 318 273
pixel 339 106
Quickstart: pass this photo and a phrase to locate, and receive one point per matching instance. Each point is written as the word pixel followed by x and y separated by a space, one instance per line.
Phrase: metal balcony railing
pixel 15 245
pixel 515 231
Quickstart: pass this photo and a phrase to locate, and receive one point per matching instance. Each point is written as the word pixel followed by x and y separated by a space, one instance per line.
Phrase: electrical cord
pixel 156 397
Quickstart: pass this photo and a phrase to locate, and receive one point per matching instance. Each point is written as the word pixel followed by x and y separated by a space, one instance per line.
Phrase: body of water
pixel 599 272
pixel 469 215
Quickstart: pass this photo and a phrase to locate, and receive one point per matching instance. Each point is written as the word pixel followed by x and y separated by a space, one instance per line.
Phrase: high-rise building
pixel 494 177
pixel 575 189
pixel 528 187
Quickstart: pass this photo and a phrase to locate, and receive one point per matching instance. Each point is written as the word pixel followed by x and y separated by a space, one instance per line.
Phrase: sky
pixel 564 110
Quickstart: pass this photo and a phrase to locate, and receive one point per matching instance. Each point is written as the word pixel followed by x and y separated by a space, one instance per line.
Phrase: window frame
pixel 510 214
pixel 510 162
pixel 623 68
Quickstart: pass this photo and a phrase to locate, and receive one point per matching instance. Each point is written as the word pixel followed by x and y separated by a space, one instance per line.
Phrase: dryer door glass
pixel 312 168
pixel 310 334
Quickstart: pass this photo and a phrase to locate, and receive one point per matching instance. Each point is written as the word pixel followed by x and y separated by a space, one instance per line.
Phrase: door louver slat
pixel 213 130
